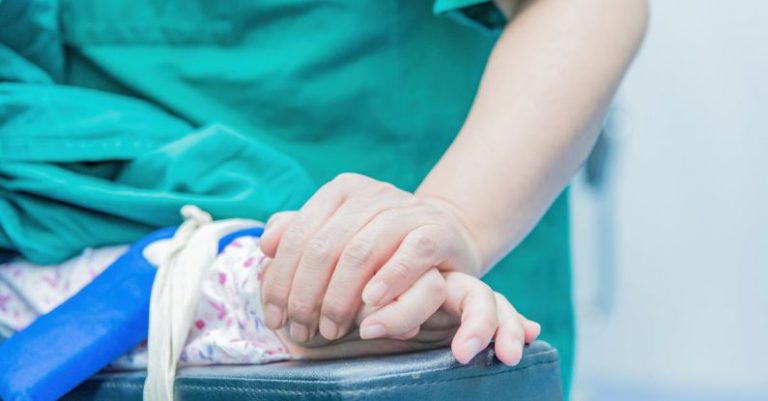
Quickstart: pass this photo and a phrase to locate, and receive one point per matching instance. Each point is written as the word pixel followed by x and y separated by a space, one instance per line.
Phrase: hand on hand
pixel 360 239
pixel 471 316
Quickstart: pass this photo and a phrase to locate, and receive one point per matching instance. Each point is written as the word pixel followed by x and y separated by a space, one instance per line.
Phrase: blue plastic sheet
pixel 103 321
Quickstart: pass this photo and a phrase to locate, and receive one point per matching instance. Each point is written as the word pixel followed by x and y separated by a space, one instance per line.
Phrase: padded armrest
pixel 431 375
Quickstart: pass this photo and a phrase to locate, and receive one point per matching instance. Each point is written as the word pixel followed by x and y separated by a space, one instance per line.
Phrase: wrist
pixel 475 259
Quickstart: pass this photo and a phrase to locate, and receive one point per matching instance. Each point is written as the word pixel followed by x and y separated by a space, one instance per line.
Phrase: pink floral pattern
pixel 32 290
pixel 229 326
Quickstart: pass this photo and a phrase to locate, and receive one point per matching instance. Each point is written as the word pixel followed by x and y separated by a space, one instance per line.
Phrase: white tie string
pixel 182 264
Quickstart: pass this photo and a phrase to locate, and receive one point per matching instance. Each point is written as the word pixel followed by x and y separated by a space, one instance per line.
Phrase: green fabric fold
pixel 82 168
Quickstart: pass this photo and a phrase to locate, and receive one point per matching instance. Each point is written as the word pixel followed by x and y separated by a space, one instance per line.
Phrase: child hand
pixel 484 315
pixel 356 239
pixel 470 317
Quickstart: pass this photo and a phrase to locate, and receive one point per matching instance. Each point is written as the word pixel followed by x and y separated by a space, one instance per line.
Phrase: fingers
pixel 439 328
pixel 340 245
pixel 422 248
pixel 475 302
pixel 442 320
pixel 362 256
pixel 439 240
pixel 532 330
pixel 510 335
pixel 278 277
pixel 318 263
pixel 407 336
pixel 273 232
pixel 306 250
pixel 403 317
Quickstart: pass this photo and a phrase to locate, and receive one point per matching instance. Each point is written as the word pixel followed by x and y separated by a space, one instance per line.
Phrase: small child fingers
pixel 475 303
pixel 532 330
pixel 510 335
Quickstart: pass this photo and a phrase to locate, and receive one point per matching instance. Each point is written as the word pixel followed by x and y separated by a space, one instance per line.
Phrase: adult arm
pixel 536 115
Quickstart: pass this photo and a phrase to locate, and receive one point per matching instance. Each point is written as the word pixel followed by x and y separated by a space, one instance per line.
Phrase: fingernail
pixel 273 316
pixel 472 347
pixel 299 332
pixel 371 331
pixel 328 328
pixel 373 293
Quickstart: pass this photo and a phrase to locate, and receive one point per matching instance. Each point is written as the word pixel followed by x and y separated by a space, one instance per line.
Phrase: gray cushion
pixel 431 375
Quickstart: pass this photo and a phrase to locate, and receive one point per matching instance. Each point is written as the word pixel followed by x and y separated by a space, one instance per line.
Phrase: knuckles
pixel 349 179
pixel 319 249
pixel 426 245
pixel 359 183
pixel 358 251
pixel 438 289
pixel 302 311
pixel 293 239
pixel 275 293
pixel 400 271
pixel 338 310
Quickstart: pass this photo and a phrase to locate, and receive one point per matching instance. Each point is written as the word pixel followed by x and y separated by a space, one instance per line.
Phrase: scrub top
pixel 377 87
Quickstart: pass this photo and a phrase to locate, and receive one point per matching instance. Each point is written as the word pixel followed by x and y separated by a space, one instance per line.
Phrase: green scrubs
pixel 377 87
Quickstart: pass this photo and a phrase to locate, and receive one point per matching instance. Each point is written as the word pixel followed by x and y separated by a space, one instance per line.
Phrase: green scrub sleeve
pixel 479 14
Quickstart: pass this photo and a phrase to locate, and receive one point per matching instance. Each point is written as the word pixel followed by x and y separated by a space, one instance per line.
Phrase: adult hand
pixel 358 239
pixel 471 316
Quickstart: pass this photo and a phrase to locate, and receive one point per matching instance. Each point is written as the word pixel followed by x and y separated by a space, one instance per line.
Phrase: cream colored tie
pixel 182 264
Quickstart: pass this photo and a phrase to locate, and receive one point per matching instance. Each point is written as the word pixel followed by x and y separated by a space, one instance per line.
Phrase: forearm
pixel 536 115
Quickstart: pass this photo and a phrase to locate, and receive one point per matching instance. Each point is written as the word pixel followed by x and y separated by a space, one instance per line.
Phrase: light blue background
pixel 671 256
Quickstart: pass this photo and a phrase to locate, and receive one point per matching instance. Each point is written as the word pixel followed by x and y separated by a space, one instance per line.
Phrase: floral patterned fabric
pixel 228 326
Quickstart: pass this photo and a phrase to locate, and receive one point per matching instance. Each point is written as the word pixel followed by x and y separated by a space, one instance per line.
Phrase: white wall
pixel 684 217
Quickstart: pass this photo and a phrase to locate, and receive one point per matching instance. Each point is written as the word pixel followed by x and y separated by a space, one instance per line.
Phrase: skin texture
pixel 351 228
pixel 470 317
pixel 536 116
